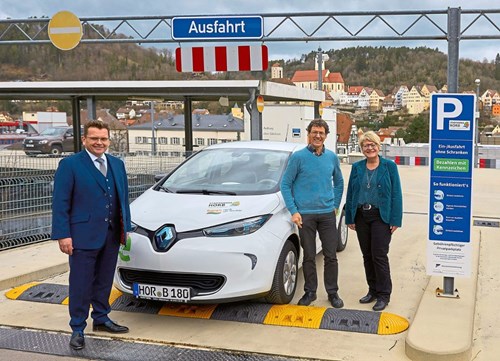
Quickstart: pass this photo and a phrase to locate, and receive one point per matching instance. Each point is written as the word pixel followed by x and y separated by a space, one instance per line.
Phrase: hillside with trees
pixel 386 67
pixel 376 67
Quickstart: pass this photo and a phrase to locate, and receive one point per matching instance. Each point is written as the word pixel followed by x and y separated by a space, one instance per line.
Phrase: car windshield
pixel 228 171
pixel 53 131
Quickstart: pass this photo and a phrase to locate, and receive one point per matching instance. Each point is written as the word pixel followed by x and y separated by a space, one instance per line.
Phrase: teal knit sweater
pixel 312 184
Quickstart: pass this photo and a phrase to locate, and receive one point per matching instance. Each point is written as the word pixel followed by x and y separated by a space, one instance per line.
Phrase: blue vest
pixel 113 203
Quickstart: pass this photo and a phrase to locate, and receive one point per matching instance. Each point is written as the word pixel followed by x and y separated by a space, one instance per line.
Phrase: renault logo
pixel 164 237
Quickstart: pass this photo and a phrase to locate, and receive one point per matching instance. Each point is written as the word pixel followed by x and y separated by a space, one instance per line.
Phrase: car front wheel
pixel 285 276
pixel 55 150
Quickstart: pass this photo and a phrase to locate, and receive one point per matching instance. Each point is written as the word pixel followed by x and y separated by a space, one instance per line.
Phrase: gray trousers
pixel 326 226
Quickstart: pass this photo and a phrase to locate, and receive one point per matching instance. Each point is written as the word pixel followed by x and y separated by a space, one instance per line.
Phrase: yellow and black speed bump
pixel 381 323
pixel 132 304
pixel 350 320
pixel 46 293
pixel 242 312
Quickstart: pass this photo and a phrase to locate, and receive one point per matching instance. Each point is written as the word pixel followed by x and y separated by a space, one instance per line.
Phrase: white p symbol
pixel 441 114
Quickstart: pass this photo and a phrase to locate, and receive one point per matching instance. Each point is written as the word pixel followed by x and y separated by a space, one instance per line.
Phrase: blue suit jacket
pixel 79 201
pixel 389 192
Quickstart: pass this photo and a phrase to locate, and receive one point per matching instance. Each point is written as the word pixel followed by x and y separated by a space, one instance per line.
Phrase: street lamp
pixel 476 127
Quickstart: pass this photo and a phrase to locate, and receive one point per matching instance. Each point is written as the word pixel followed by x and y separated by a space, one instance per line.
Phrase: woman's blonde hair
pixel 370 136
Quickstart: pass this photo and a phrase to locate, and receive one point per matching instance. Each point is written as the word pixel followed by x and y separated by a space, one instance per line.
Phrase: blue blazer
pixel 389 192
pixel 79 201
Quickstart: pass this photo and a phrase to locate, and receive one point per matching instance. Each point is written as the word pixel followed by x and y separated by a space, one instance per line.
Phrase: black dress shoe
pixel 369 298
pixel 335 300
pixel 77 341
pixel 380 305
pixel 110 326
pixel 307 298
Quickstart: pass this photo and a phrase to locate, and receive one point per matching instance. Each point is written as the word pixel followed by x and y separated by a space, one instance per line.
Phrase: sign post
pixel 451 162
pixel 65 30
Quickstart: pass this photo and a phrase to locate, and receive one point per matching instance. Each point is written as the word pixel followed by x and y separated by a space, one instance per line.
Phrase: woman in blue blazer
pixel 374 209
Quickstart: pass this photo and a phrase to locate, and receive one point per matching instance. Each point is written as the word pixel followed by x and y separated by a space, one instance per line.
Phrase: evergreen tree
pixel 418 130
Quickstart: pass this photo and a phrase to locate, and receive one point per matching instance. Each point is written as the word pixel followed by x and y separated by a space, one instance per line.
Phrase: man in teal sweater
pixel 312 188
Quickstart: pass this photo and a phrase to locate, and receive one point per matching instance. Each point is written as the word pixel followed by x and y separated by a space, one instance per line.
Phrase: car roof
pixel 259 144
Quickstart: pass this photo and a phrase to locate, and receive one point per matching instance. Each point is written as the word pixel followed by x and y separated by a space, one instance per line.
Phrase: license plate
pixel 29 145
pixel 162 293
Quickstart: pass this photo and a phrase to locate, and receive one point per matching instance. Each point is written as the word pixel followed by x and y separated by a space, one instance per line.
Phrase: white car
pixel 216 229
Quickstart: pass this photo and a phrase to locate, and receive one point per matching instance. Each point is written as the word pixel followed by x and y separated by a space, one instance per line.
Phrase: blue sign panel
pixel 451 163
pixel 214 28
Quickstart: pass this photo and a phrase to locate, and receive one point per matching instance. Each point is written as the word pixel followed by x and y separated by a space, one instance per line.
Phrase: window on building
pixel 163 140
pixel 199 141
pixel 175 141
pixel 138 140
pixel 212 141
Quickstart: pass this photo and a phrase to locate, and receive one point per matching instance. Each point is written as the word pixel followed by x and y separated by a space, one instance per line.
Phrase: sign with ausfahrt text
pixel 217 28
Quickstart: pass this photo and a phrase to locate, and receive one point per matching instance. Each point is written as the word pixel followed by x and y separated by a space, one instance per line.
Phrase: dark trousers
pixel 326 227
pixel 90 281
pixel 374 237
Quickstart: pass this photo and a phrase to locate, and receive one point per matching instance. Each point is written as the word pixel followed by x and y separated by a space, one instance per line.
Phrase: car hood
pixel 196 211
pixel 43 137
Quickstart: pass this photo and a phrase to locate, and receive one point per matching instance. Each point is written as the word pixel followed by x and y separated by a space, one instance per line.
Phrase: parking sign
pixel 451 162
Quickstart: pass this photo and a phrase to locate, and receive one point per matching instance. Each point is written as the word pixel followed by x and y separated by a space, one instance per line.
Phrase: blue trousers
pixel 90 281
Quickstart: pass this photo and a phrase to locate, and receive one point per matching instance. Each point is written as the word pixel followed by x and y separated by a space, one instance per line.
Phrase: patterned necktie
pixel 102 167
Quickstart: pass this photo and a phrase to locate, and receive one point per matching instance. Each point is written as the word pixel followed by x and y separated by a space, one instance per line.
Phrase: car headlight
pixel 237 228
pixel 43 142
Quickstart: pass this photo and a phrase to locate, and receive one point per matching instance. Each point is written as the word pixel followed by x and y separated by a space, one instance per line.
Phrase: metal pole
pixel 153 138
pixel 77 133
pixel 320 80
pixel 453 60
pixel 188 126
pixel 476 126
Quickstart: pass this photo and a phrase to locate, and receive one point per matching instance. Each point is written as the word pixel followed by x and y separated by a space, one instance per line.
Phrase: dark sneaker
pixel 307 298
pixel 335 300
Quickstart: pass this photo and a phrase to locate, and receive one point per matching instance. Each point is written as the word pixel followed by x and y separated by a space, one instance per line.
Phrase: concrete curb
pixel 443 327
pixel 39 274
pixel 31 263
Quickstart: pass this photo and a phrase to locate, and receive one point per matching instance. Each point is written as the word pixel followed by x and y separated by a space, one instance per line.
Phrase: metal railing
pixel 26 185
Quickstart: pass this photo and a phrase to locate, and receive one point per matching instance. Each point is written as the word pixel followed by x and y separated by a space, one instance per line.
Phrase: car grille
pixel 199 283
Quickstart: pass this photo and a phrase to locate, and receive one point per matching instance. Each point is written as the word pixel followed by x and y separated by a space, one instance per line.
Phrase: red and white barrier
pixel 221 58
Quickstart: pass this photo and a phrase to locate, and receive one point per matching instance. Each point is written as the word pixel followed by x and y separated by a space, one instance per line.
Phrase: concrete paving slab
pixel 411 289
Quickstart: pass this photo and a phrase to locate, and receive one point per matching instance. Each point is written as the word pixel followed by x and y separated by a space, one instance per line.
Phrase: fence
pixel 26 185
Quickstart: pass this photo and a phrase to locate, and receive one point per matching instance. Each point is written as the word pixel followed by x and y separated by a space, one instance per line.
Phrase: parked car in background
pixel 54 141
pixel 216 229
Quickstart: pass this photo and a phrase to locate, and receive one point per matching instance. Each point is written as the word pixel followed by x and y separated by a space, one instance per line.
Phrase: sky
pixel 480 50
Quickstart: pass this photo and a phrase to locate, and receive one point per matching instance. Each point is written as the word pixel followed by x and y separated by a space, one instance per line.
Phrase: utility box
pixel 288 123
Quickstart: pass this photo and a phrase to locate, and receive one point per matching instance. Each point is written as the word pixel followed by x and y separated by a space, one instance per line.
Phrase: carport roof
pixel 236 90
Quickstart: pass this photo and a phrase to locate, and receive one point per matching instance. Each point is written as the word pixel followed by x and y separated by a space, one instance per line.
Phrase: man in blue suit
pixel 90 218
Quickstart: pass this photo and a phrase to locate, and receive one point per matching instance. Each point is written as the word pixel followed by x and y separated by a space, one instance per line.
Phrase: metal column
pixel 77 132
pixel 453 61
pixel 91 108
pixel 188 126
